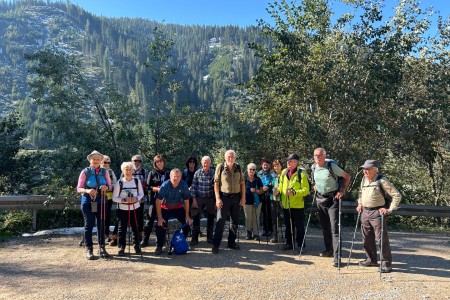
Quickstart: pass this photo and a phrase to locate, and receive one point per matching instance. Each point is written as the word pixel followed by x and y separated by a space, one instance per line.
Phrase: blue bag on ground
pixel 178 244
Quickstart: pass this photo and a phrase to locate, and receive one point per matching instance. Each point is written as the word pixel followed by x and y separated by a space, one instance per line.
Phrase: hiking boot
pixel 274 239
pixel 326 253
pixel 137 249
pixel 286 247
pixel 265 233
pixel 257 238
pixel 102 252
pixel 367 263
pixel 336 263
pixel 215 250
pixel 386 269
pixel 209 240
pixel 249 235
pixel 158 250
pixel 89 254
pixel 121 251
pixel 113 240
pixel 234 246
pixel 144 242
pixel 193 242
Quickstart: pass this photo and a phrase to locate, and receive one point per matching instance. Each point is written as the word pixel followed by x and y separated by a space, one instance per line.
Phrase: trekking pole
pixel 256 223
pixel 102 220
pixel 137 230
pixel 290 221
pixel 307 224
pixel 266 219
pixel 129 232
pixel 353 239
pixel 339 239
pixel 381 243
pixel 239 222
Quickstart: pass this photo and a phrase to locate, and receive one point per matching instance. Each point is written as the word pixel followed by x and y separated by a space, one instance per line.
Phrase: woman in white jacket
pixel 127 193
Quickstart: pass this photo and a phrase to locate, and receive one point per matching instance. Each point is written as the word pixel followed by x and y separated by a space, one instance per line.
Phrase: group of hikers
pixel 219 193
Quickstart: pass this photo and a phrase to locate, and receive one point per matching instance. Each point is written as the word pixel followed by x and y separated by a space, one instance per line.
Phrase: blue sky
pixel 202 12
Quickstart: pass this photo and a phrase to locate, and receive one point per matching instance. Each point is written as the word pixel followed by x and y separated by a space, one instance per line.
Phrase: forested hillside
pixel 210 60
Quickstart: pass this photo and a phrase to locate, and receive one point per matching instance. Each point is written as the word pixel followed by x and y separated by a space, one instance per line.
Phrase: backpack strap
pixel 382 191
pixel 120 185
pixel 330 170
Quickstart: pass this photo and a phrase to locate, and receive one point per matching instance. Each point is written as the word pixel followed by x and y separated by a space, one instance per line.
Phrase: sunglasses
pixel 106 162
pixel 139 161
pixel 252 169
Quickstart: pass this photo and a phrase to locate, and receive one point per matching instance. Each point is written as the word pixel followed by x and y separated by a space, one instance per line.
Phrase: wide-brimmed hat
pixel 293 156
pixel 95 152
pixel 371 163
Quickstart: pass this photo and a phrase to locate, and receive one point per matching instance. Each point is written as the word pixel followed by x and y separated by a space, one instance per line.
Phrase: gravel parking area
pixel 54 267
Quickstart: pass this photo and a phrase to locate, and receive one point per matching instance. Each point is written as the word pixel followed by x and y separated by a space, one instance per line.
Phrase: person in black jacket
pixel 155 179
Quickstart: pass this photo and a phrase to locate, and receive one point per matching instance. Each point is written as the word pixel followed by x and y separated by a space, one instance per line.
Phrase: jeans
pixel 89 222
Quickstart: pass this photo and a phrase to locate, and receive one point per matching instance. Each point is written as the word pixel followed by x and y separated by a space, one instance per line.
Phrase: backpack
pixel 339 179
pixel 178 244
pixel 386 196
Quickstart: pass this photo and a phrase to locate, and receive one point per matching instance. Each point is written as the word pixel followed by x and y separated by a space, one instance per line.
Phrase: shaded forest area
pixel 362 85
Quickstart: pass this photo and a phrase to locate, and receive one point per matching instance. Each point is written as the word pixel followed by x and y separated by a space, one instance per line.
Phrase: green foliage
pixel 356 87
pixel 15 222
pixel 52 219
pixel 11 133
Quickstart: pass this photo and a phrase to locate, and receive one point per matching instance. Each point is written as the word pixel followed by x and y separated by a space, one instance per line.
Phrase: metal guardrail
pixel 39 202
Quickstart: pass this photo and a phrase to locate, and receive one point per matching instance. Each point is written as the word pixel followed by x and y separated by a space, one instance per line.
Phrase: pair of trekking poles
pixel 339 239
pixel 101 226
pixel 130 230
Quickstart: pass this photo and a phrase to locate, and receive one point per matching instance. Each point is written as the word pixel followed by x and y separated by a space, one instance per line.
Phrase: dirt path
pixel 53 267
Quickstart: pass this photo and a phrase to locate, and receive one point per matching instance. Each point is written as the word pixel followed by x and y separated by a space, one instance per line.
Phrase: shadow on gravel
pixel 425 265
pixel 249 257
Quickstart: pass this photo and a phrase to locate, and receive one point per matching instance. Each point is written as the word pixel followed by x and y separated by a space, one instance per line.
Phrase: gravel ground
pixel 54 267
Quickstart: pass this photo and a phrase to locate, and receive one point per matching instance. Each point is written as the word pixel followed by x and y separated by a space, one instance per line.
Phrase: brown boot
pixel 113 240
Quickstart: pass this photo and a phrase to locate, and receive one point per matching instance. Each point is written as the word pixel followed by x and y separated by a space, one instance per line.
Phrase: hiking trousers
pixel 371 234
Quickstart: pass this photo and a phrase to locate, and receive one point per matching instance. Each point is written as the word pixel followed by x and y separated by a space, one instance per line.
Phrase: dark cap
pixel 293 156
pixel 371 163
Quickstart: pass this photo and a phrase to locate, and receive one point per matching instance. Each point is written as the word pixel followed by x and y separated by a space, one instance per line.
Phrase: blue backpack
pixel 178 244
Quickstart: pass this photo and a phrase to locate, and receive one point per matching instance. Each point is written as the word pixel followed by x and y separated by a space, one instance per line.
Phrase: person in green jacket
pixel 293 186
